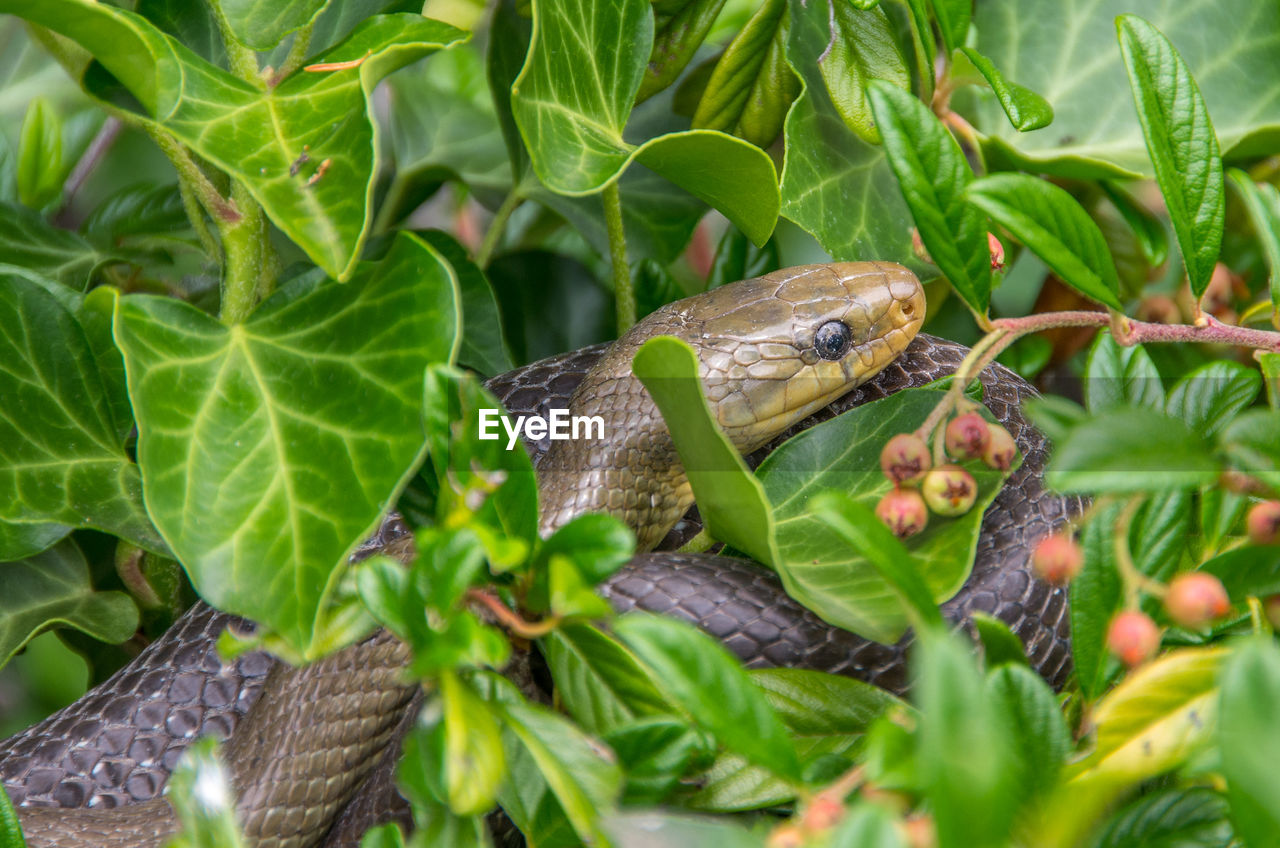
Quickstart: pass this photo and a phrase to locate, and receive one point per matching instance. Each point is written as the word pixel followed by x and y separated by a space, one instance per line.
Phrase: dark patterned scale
pixel 116 745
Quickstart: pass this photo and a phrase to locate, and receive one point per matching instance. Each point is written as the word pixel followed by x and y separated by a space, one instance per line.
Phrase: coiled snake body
pixel 309 748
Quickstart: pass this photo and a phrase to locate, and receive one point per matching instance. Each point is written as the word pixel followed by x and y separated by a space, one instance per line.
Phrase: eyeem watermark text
pixel 558 425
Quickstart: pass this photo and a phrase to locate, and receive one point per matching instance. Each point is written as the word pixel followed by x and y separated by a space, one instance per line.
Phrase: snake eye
pixel 833 340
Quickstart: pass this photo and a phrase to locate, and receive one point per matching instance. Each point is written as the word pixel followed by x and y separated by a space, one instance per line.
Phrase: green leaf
pixel 10 828
pixel 862 48
pixel 483 345
pixel 1147 228
pixel 1169 818
pixel 62 459
pixel 1209 397
pixel 654 753
pixel 1057 48
pixel 827 716
pixel 702 677
pixel 1251 444
pixel 262 24
pixel 954 17
pixel 597 544
pixel 600 681
pixel 40 169
pixel 1262 200
pixel 835 186
pixel 1250 571
pixel 1250 739
pixel 821 569
pixel 53 589
pixel 641 829
pixel 19 541
pixel 738 259
pixel 314 406
pixel 963 748
pixel 679 34
pixel 258 136
pixel 29 242
pixel 572 99
pixel 1181 142
pixel 752 87
pixel 932 174
pixel 1000 645
pixel 1035 727
pixel 1269 363
pixel 1026 109
pixel 584 780
pixel 474 762
pixel 421 776
pixel 204 800
pixel 1050 222
pixel 1118 376
pixel 1131 450
pixel 730 499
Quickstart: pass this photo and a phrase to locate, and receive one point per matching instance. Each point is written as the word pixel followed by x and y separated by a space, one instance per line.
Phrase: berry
pixel 823 813
pixel 1194 599
pixel 949 490
pixel 903 511
pixel 786 836
pixel 905 458
pixel 997 252
pixel 1001 450
pixel 1263 523
pixel 1271 606
pixel 1057 559
pixel 1133 637
pixel 967 435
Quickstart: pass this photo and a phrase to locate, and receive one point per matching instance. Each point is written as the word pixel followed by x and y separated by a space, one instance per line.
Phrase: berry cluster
pixel 949 490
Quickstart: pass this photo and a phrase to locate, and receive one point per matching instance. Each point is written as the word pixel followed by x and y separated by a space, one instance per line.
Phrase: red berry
pixel 1057 559
pixel 967 435
pixel 1133 637
pixel 904 458
pixel 1001 450
pixel 1263 523
pixel 823 813
pixel 997 252
pixel 949 490
pixel 1194 599
pixel 903 511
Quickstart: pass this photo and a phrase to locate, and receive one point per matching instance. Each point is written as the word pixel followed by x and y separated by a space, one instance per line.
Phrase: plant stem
pixel 510 619
pixel 623 292
pixel 1135 582
pixel 248 273
pixel 1132 332
pixel 498 226
pixel 243 61
pixel 297 52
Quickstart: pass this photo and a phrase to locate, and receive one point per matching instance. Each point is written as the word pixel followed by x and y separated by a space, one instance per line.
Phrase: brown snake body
pixel 304 742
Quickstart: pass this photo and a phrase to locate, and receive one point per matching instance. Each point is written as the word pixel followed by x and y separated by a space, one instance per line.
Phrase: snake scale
pixel 311 751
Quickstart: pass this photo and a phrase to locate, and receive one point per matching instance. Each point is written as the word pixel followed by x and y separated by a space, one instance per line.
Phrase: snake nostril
pixel 908 309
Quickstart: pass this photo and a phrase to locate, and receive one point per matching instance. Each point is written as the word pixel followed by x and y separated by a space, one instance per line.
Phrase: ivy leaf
pixel 53 588
pixel 484 344
pixel 1050 222
pixel 932 174
pixel 1026 110
pixel 262 24
pixel 260 136
pixel 20 540
pixel 829 170
pixel 1262 200
pixel 62 458
pixel 29 242
pixel 1183 146
pixel 571 108
pixel 314 404
pixel 704 679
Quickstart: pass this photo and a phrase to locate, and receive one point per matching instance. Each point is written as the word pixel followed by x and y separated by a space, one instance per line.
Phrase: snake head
pixel 777 348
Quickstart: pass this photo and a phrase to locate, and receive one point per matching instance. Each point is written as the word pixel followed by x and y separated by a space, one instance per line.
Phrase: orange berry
pixel 903 511
pixel 1133 637
pixel 1194 599
pixel 1263 523
pixel 1057 559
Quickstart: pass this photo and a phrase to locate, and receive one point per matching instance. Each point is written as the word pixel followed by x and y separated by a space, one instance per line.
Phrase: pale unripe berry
pixel 903 511
pixel 1057 559
pixel 967 435
pixel 905 458
pixel 1133 637
pixel 1263 523
pixel 1001 449
pixel 1194 599
pixel 949 490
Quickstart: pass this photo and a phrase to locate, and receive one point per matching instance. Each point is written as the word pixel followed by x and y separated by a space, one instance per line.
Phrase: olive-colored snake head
pixel 777 348
pixel 772 350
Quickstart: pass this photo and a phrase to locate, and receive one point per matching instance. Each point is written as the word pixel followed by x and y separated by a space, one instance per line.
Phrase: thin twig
pixel 510 619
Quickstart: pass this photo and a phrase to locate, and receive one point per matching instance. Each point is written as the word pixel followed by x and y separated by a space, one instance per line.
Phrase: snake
pixel 311 750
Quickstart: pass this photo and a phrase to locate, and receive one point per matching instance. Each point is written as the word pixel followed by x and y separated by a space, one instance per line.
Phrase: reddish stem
pixel 509 618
